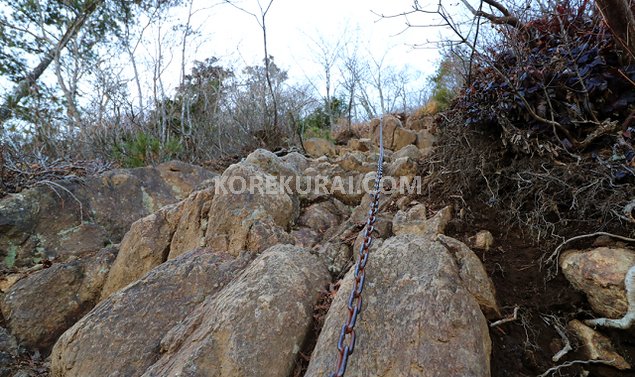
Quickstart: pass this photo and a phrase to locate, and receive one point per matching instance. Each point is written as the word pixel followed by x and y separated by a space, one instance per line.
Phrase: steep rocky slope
pixel 248 274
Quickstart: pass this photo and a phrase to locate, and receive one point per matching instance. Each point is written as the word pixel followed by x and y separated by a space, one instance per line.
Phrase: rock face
pixel 143 248
pixel 255 220
pixel 416 306
pixel 55 220
pixel 254 327
pixel 409 151
pixel 317 147
pixel 395 135
pixel 402 167
pixel 412 221
pixel 189 233
pixel 198 315
pixel 322 216
pixel 362 145
pixel 40 307
pixel 425 140
pixel 223 217
pixel 212 279
pixel 473 275
pixel 600 273
pixel 420 121
pixel 121 336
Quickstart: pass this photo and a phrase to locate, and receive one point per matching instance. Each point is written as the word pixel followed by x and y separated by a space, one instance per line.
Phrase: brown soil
pixel 471 168
pixel 524 347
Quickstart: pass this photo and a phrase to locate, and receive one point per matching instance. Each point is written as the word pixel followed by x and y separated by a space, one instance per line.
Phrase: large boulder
pixel 236 209
pixel 362 145
pixel 121 336
pixel 323 216
pixel 41 306
pixel 420 121
pixel 190 230
pixel 403 167
pixel 418 319
pixel 599 273
pixel 355 162
pixel 394 134
pixel 323 180
pixel 145 246
pixel 317 147
pixel 229 215
pixel 255 327
pixel 409 151
pixel 56 220
pixel 296 160
pixel 425 140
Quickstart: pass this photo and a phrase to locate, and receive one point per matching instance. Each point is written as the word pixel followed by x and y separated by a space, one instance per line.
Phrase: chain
pixel 344 348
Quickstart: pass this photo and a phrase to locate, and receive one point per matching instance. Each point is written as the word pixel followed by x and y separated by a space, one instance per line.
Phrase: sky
pixel 296 29
pixel 294 26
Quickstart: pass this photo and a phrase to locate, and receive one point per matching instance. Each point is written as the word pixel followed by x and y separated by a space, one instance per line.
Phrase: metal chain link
pixel 345 349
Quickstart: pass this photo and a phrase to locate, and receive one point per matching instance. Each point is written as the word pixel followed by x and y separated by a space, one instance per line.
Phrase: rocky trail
pixel 175 270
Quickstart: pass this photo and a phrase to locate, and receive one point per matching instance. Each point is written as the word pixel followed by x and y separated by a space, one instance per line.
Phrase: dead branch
pixel 553 258
pixel 53 185
pixel 506 19
pixel 606 127
pixel 555 322
pixel 513 317
pixel 576 362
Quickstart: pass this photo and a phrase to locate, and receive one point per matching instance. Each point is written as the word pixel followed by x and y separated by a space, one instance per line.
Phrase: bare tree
pixel 261 19
pixel 351 71
pixel 327 55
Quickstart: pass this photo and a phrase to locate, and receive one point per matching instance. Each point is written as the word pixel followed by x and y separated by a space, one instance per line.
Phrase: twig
pixel 574 362
pixel 505 320
pixel 628 320
pixel 604 128
pixel 52 186
pixel 556 254
pixel 553 321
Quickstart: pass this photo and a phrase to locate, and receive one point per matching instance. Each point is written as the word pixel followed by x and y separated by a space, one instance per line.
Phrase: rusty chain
pixel 355 298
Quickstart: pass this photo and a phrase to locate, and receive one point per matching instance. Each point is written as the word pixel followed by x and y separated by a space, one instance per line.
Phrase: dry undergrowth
pixel 550 196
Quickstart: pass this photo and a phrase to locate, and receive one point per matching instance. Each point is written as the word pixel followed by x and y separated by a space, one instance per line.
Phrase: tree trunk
pixel 21 89
pixel 619 18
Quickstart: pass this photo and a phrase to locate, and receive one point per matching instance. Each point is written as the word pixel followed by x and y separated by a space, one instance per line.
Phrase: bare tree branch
pixel 21 89
pixel 506 19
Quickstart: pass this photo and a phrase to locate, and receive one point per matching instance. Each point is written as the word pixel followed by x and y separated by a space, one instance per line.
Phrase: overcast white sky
pixel 295 26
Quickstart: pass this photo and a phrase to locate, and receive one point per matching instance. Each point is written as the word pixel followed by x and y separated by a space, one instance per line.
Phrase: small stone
pixel 8 344
pixel 402 203
pixel 484 240
pixel 7 281
pixel 597 346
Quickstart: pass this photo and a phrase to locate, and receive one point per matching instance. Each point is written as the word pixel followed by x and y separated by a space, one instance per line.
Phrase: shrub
pixel 143 149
